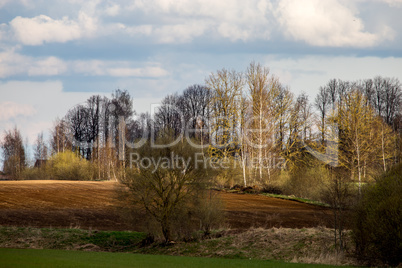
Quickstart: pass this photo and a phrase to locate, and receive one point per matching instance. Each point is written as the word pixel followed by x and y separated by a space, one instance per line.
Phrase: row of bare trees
pixel 367 116
pixel 249 118
pixel 253 119
pixel 91 130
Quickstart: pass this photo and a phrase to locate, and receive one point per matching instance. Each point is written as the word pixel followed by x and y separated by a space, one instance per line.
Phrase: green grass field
pixel 63 258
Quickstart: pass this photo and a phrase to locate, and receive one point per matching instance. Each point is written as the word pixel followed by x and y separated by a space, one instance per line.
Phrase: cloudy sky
pixel 54 54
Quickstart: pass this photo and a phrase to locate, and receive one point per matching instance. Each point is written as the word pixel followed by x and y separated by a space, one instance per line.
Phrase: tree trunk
pixel 358 161
pixel 166 229
pixel 244 166
pixel 383 146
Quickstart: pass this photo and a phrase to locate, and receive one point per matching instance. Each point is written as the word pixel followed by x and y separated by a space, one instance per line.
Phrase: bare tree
pixel 169 116
pixel 40 148
pixel 392 99
pixel 332 88
pixel 77 121
pixel 305 114
pixel 59 140
pixel 283 107
pixel 93 107
pixel 164 191
pixel 13 153
pixel 263 90
pixel 378 97
pixel 226 93
pixel 322 103
pixel 121 106
pixel 339 195
pixel 368 89
pixel 299 122
pixel 195 108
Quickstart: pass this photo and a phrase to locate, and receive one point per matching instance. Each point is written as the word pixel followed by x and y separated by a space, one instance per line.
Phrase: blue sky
pixel 55 54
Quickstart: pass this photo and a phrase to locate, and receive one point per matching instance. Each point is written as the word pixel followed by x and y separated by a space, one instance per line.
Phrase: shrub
pixel 34 173
pixel 307 182
pixel 167 186
pixel 208 210
pixel 340 194
pixel 377 230
pixel 69 166
pixel 226 172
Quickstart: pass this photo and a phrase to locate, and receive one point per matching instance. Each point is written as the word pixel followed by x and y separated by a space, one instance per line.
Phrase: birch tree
pixel 225 92
pixel 355 120
pixel 263 90
pixel 59 140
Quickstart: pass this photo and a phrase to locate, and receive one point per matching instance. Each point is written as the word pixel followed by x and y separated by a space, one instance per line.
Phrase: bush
pixel 208 210
pixel 227 172
pixel 340 194
pixel 34 173
pixel 307 182
pixel 69 166
pixel 168 187
pixel 378 231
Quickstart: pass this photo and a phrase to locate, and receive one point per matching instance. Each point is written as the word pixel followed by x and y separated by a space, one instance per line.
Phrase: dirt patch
pixel 95 205
pixel 249 210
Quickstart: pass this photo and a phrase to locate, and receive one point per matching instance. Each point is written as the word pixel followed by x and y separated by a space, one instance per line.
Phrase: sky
pixel 55 54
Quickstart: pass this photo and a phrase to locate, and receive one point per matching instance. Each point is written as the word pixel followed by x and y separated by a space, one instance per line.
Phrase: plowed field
pixel 94 205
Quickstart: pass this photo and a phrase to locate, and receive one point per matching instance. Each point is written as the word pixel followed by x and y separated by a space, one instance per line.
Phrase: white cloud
pixel 167 21
pixel 232 19
pixel 49 66
pixel 9 110
pixel 168 34
pixel 88 24
pixel 134 30
pixel 90 67
pixel 316 22
pixel 326 23
pixel 43 29
pixel 112 9
pixel 137 72
pixel 180 33
pixel 117 69
pixel 3 31
pixel 13 63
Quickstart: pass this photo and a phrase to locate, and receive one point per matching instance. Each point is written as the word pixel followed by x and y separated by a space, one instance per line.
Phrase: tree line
pixel 249 119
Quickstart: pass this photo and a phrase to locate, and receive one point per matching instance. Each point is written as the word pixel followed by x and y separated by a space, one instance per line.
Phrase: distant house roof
pixel 40 163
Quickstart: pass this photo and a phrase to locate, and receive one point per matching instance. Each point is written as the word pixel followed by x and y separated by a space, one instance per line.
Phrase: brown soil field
pixel 82 204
